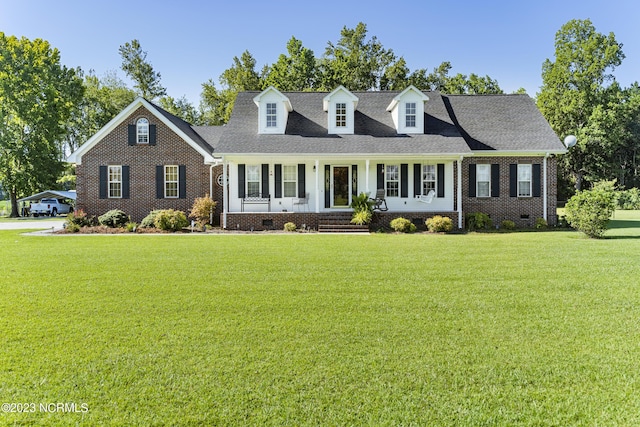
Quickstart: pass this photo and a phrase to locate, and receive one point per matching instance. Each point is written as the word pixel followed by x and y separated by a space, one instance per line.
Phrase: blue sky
pixel 190 42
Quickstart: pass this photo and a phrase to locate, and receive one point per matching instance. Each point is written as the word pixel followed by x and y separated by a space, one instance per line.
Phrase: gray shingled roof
pixel 454 124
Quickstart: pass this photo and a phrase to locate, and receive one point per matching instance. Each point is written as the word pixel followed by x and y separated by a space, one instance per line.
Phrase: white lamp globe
pixel 570 141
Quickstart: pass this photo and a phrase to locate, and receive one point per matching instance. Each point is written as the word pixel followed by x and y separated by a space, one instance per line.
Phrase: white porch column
pixel 366 177
pixel 316 168
pixel 225 193
pixel 544 186
pixel 459 192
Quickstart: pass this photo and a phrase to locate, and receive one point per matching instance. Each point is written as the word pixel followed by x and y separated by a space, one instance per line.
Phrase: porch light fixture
pixel 570 141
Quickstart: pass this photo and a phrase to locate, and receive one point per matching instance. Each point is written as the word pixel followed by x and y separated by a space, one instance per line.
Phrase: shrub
pixel 478 221
pixel 171 220
pixel 402 225
pixel 71 227
pixel 113 218
pixel 629 199
pixel 589 210
pixel 80 218
pixel 439 224
pixel 289 226
pixel 149 220
pixel 507 224
pixel 131 226
pixel 541 224
pixel 361 217
pixel 362 209
pixel 202 209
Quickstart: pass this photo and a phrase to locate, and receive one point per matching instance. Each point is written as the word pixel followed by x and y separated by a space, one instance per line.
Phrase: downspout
pixel 544 187
pixel 459 192
pixel 211 190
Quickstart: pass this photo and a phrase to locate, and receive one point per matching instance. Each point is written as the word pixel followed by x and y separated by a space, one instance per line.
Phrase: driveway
pixel 31 223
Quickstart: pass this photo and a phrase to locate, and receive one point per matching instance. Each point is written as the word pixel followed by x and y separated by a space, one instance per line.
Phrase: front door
pixel 341 186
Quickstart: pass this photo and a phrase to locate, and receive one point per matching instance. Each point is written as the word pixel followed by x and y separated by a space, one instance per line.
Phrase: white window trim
pixel 112 183
pixel 529 181
pixel 387 180
pixel 247 181
pixel 424 180
pixel 294 180
pixel 271 115
pixel 177 182
pixel 142 131
pixel 344 113
pixel 488 168
pixel 407 115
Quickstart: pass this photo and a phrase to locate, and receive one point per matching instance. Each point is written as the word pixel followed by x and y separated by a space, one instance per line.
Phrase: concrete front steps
pixel 339 222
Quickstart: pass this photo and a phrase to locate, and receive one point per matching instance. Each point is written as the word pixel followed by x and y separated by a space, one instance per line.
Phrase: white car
pixel 51 207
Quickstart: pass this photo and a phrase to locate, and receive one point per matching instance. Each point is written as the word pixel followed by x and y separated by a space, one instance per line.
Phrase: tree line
pixel 48 109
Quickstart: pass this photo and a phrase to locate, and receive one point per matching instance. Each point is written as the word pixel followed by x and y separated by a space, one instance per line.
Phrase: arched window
pixel 142 131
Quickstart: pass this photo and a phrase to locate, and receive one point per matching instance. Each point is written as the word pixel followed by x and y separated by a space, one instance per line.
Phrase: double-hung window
pixel 115 182
pixel 142 131
pixel 253 180
pixel 392 180
pixel 272 115
pixel 171 181
pixel 524 180
pixel 290 180
pixel 483 180
pixel 341 115
pixel 428 178
pixel 410 115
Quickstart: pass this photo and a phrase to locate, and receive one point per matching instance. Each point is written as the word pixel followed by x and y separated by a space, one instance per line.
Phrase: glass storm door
pixel 341 186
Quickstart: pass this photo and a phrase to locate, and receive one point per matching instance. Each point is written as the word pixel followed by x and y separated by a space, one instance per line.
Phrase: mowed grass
pixel 438 330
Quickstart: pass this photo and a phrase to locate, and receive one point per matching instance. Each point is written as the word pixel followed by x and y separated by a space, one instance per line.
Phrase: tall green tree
pixel 295 71
pixel 354 62
pixel 37 97
pixel 135 65
pixel 574 85
pixel 182 108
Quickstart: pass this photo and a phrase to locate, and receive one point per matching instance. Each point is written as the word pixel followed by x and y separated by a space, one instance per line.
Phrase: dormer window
pixel 272 115
pixel 273 111
pixel 341 115
pixel 142 131
pixel 340 106
pixel 410 114
pixel 407 111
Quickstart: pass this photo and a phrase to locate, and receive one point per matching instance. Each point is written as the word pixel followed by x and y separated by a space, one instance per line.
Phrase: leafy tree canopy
pixel 135 65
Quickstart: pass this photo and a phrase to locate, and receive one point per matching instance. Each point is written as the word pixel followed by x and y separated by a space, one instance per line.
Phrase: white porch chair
pixel 301 202
pixel 428 198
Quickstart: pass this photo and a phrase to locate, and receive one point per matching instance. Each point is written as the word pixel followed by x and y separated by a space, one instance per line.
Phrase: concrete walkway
pixel 31 223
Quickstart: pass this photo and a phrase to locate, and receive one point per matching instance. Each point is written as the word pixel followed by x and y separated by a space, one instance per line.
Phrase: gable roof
pixel 176 124
pixel 453 125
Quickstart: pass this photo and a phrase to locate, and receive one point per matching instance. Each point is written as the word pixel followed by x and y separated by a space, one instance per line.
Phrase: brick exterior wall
pixel 142 159
pixel 505 207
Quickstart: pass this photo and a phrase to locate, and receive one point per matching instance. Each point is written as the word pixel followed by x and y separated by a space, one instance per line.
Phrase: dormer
pixel 407 111
pixel 273 111
pixel 340 106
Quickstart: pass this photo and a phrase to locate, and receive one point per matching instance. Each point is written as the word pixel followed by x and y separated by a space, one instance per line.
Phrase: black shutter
pixel 301 184
pixel 241 178
pixel 440 178
pixel 182 182
pixel 159 182
pixel 125 182
pixel 513 180
pixel 327 186
pixel 265 180
pixel 404 180
pixel 472 180
pixel 103 182
pixel 536 180
pixel 417 179
pixel 131 135
pixel 380 176
pixel 495 180
pixel 278 179
pixel 354 180
pixel 152 134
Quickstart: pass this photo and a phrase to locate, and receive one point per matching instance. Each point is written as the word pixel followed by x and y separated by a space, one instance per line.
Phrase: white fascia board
pixel 285 100
pixel 326 100
pixel 398 97
pixel 514 153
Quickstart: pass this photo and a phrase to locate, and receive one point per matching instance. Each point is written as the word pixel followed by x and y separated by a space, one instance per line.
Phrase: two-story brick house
pixel 302 156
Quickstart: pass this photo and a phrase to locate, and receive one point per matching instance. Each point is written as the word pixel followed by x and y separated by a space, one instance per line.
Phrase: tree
pixel 135 65
pixel 37 96
pixel 354 62
pixel 574 85
pixel 295 71
pixel 589 211
pixel 181 108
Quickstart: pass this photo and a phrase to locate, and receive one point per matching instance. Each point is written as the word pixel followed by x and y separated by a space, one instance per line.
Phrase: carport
pixel 49 194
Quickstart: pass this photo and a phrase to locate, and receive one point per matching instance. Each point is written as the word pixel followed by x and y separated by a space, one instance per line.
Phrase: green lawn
pixel 436 330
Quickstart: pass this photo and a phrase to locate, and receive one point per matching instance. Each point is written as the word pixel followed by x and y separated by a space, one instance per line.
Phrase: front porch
pixel 261 221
